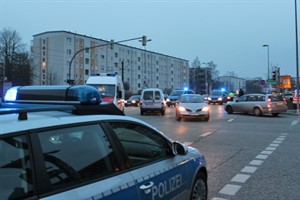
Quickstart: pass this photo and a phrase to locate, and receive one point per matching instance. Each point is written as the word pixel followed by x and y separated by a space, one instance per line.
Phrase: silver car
pixel 192 106
pixel 257 104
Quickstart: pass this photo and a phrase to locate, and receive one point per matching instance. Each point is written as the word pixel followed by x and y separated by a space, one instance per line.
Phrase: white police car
pixel 75 151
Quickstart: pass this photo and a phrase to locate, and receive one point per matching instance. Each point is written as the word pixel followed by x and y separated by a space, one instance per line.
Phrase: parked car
pixel 258 104
pixel 152 100
pixel 205 96
pixel 288 95
pixel 133 101
pixel 175 94
pixel 218 96
pixel 91 151
pixel 192 106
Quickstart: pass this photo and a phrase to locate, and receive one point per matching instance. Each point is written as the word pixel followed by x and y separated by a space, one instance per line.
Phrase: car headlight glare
pixel 180 108
pixel 205 108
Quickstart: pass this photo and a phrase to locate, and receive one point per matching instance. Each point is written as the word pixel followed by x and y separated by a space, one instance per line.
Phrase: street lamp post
pixel 71 81
pixel 297 60
pixel 265 45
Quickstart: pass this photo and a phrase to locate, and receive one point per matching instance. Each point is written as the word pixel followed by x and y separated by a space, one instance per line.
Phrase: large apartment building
pixel 53 51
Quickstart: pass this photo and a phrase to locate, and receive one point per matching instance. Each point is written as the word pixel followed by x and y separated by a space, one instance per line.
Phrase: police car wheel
pixel 199 189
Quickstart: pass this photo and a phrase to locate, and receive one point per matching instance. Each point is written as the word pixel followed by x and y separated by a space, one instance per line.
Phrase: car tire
pixel 142 112
pixel 275 114
pixel 199 189
pixel 257 112
pixel 162 112
pixel 229 109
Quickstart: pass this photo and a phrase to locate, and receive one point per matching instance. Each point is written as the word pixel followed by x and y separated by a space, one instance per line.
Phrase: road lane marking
pixel 294 123
pixel 230 189
pixel 188 143
pixel 270 148
pixel 230 120
pixel 256 162
pixel 273 145
pixel 259 156
pixel 267 152
pixel 241 178
pixel 205 134
pixel 249 169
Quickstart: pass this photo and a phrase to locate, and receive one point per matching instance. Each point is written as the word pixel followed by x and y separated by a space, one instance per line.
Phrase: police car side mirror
pixel 179 149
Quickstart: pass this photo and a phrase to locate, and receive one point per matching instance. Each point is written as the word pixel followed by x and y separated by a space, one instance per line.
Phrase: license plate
pixel 193 114
pixel 148 103
pixel 279 103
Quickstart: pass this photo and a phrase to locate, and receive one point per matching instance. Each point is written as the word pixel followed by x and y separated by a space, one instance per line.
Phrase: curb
pixel 291 112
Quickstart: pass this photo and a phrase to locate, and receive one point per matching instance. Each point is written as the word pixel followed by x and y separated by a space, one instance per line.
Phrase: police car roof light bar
pixel 76 109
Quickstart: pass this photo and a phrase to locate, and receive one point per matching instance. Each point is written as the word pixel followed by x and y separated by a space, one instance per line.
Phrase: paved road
pixel 247 157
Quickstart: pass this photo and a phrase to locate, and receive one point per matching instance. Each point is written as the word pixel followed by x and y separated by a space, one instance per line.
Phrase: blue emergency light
pixel 83 94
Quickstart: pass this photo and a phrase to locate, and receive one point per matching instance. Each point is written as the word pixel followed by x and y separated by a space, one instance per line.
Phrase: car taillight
pixel 269 102
pixel 141 102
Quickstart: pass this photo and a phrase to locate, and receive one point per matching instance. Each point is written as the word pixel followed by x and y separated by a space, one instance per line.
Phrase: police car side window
pixel 141 144
pixel 15 169
pixel 78 154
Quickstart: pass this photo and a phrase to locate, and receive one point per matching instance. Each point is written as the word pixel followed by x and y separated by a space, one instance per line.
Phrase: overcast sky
pixel 228 32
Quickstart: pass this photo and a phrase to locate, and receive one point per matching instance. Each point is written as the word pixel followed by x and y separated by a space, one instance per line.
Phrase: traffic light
pixel 274 75
pixel 144 40
pixel 112 42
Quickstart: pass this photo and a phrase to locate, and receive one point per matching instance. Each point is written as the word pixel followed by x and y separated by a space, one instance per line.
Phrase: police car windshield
pixel 176 93
pixel 217 92
pixel 104 89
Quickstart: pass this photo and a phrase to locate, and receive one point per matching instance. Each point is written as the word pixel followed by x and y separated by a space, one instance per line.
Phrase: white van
pixel 152 99
pixel 110 87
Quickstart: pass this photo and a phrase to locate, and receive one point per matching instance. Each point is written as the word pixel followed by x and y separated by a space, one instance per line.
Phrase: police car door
pixel 157 173
pixel 81 163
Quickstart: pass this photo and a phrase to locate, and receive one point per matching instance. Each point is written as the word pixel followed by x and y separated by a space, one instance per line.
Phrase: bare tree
pixel 10 46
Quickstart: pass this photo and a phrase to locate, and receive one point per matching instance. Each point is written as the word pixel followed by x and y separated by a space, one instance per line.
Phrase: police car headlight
pixel 209 98
pixel 168 99
pixel 219 99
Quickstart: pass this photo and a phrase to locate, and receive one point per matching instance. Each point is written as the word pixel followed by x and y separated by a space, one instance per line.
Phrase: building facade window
pixel 69 51
pixel 69 40
pixel 87 61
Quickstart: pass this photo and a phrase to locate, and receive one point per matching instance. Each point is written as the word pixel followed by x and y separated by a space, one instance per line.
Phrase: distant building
pixel 232 83
pixel 200 79
pixel 53 50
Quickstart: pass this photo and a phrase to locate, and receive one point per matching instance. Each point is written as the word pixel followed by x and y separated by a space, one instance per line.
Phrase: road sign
pixel 271 81
pixel 262 82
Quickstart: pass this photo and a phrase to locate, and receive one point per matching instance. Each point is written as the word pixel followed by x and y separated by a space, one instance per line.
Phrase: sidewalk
pixel 291 112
